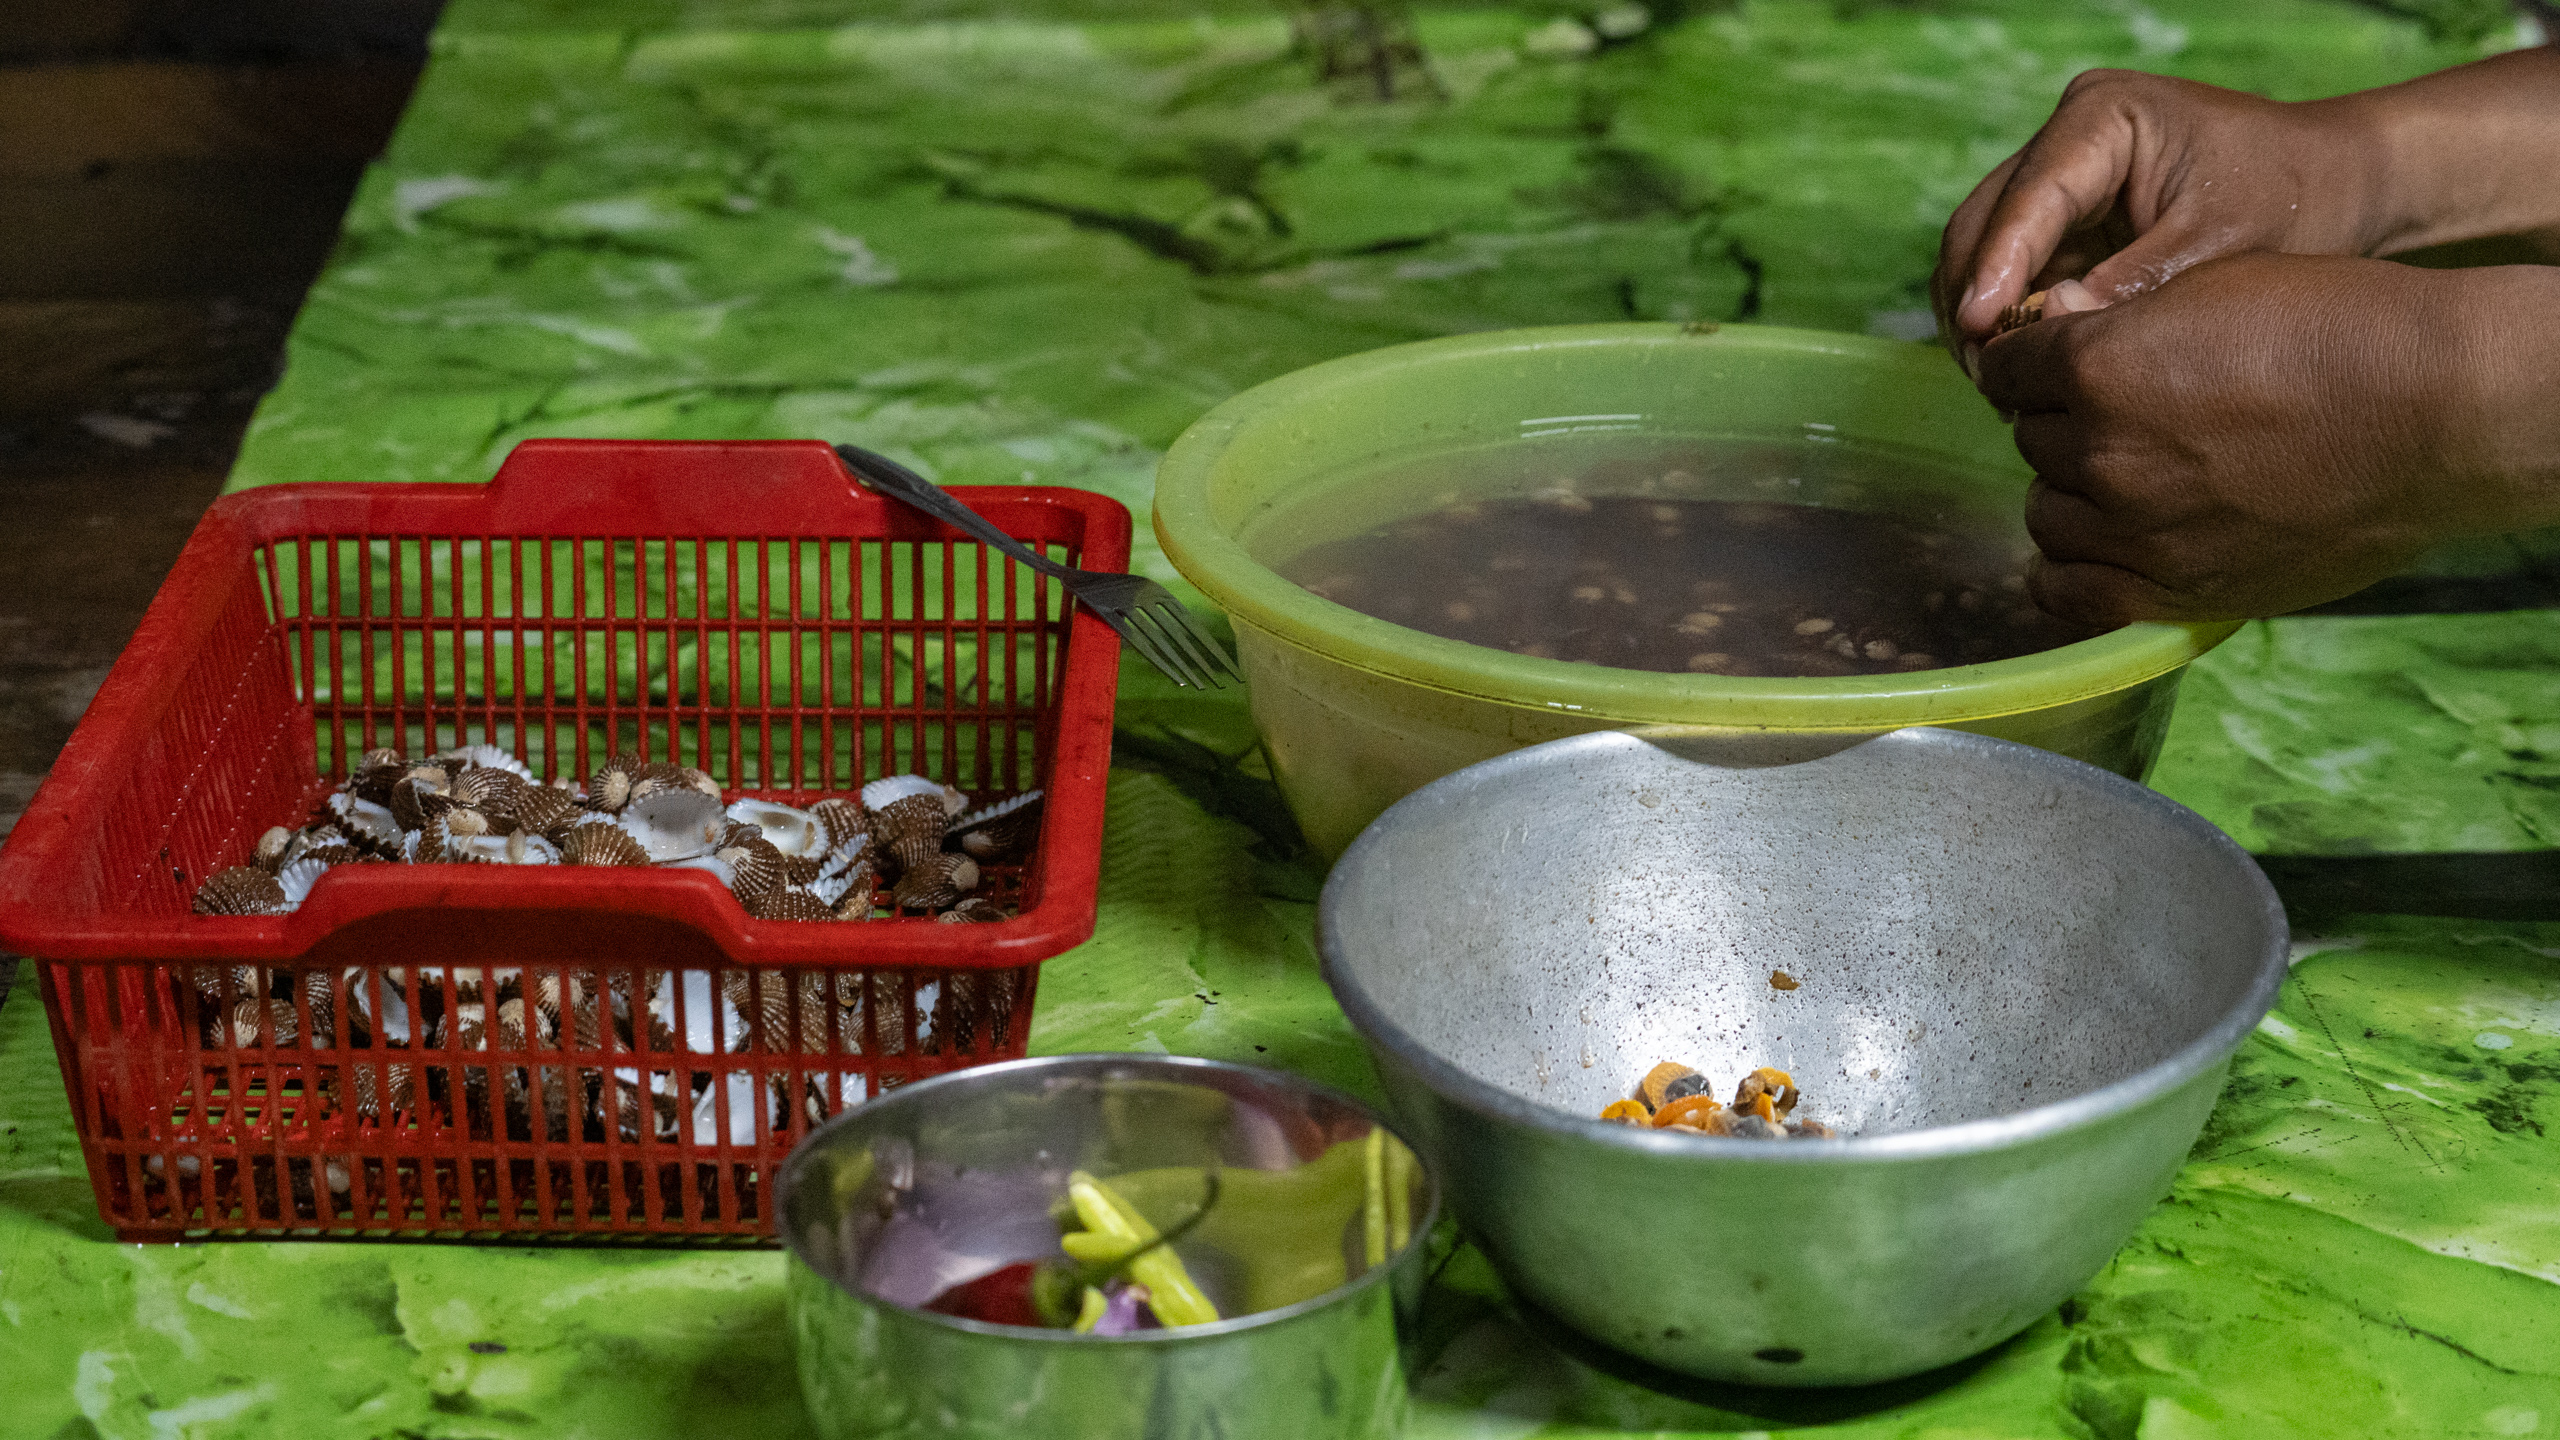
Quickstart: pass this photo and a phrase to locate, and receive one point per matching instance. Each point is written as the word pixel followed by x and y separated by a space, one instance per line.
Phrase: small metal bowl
pixel 2013 979
pixel 937 1182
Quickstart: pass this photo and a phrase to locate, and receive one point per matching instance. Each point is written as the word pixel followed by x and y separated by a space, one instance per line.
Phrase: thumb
pixel 2158 254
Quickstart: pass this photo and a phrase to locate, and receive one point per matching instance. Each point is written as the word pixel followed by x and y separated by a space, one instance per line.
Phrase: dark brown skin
pixel 2230 415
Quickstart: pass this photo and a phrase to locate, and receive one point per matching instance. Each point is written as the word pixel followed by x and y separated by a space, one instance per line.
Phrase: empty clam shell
pixel 889 789
pixel 798 836
pixel 331 850
pixel 486 757
pixel 366 823
pixel 675 823
pixel 713 865
pixel 295 880
pixel 240 890
pixel 516 847
pixel 995 833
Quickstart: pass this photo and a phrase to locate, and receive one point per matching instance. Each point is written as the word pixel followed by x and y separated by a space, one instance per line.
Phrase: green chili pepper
pixel 1373 1203
pixel 1115 1234
pixel 1091 1313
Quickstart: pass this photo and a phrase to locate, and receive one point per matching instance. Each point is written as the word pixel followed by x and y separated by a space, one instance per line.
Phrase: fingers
pixel 2097 594
pixel 2067 525
pixel 2031 368
pixel 2160 253
pixel 2068 177
pixel 1947 283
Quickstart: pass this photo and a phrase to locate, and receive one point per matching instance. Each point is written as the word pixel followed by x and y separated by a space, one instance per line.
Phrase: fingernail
pixel 1973 361
pixel 2070 297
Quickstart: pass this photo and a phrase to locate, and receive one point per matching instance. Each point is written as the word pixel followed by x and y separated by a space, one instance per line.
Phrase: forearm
pixel 2464 153
pixel 2504 441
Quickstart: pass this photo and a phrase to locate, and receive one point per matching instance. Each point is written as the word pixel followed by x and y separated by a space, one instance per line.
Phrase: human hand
pixel 2137 177
pixel 2267 432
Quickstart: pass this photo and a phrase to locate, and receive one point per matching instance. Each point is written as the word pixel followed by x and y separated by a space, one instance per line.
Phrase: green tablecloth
pixel 1036 243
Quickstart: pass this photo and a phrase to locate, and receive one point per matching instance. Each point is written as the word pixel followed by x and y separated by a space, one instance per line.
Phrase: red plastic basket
pixel 736 606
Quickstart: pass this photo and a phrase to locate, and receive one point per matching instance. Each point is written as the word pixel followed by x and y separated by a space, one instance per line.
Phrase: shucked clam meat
pixel 1671 1096
pixel 915 838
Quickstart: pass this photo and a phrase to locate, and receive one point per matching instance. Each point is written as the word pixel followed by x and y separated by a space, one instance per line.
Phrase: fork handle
pixel 887 476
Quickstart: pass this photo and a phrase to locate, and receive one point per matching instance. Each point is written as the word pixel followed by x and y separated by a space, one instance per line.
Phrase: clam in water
pixel 1718 558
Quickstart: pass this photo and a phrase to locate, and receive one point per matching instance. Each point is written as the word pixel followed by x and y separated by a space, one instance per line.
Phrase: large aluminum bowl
pixel 2019 980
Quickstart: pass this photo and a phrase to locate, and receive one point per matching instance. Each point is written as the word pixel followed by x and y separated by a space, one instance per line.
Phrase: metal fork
pixel 1145 613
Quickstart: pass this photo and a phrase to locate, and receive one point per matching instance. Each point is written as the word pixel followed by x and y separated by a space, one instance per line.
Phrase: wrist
pixel 2461 154
pixel 2385 152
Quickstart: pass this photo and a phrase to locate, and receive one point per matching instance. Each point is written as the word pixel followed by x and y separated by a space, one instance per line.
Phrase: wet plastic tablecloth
pixel 1034 240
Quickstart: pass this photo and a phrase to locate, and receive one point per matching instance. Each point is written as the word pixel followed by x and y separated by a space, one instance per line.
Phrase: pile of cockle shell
pixel 481 805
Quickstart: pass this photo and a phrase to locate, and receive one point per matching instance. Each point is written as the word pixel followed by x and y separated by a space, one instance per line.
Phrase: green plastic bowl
pixel 1357 711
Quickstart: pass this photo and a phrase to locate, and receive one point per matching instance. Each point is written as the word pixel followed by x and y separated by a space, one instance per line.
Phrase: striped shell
pixel 609 789
pixel 418 797
pixel 909 829
pixel 843 818
pixel 975 910
pixel 240 890
pixel 547 810
pixel 655 779
pixel 277 846
pixel 2024 312
pixel 789 903
pixel 604 844
pixel 937 882
pixel 756 872
pixel 489 789
pixel 376 773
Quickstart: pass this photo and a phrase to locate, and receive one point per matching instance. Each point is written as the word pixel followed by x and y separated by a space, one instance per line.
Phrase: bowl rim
pixel 1258 597
pixel 788 1179
pixel 1929 1143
